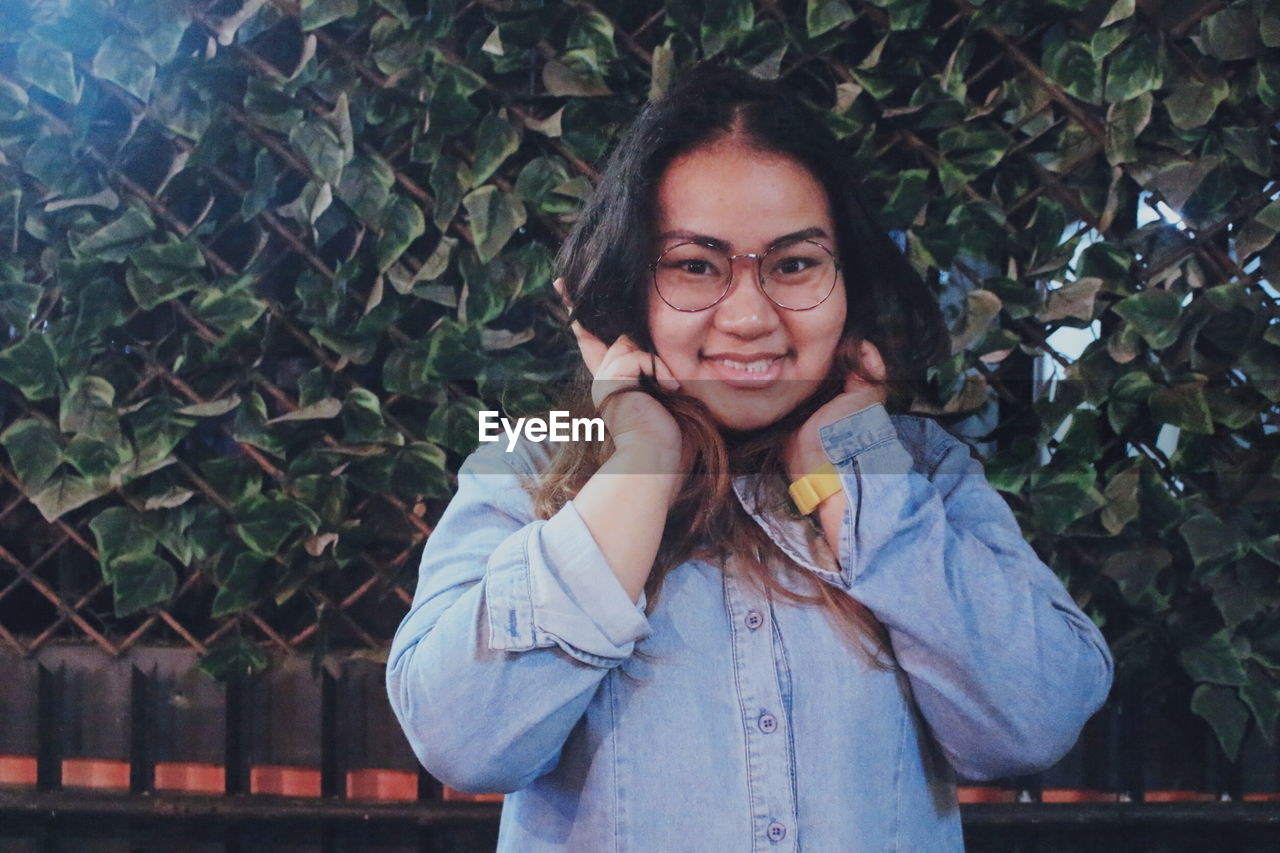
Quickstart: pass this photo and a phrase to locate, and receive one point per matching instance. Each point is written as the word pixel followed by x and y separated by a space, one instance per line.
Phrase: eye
pixel 792 265
pixel 696 267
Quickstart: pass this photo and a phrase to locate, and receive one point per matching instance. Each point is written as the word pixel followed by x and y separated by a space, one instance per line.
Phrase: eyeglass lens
pixel 693 276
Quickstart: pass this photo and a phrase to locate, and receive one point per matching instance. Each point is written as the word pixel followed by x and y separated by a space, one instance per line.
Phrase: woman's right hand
pixel 635 420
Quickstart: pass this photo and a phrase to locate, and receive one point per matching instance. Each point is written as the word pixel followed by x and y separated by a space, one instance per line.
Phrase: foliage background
pixel 261 262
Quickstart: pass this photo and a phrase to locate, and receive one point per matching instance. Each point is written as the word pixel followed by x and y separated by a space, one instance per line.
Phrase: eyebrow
pixel 715 242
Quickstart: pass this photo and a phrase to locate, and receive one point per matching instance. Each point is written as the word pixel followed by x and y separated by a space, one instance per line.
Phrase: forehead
pixel 740 195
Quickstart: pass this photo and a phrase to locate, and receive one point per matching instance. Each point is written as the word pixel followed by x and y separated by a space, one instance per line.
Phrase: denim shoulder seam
pixel 528 588
pixel 618 822
pixel 903 719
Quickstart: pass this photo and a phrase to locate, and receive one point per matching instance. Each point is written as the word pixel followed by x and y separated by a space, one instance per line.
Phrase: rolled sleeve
pixel 555 587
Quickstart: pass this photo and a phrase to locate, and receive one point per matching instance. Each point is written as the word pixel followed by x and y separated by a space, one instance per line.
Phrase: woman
pixel 656 643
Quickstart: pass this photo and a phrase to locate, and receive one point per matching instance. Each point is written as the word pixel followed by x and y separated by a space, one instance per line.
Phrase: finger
pixel 664 375
pixel 620 360
pixel 592 348
pixel 872 362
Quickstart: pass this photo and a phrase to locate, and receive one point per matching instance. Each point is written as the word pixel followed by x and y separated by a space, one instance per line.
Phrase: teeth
pixel 749 366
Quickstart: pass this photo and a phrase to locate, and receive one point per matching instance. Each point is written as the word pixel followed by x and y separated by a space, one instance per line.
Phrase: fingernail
pixel 671 383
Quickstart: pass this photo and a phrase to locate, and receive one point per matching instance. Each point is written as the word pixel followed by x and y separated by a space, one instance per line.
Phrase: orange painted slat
pixel 985 794
pixel 17 770
pixel 1179 797
pixel 191 777
pixel 288 781
pixel 372 783
pixel 451 795
pixel 1077 795
pixel 101 773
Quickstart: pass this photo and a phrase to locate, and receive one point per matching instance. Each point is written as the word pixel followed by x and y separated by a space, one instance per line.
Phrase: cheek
pixel 675 335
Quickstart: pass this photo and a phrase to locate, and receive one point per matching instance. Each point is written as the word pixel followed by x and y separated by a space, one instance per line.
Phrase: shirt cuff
pixel 857 433
pixel 563 592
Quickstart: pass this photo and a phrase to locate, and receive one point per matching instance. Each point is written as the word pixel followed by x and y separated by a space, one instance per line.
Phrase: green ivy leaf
pixel 724 22
pixel 1230 34
pixel 1122 500
pixel 1153 314
pixel 1193 103
pixel 1183 406
pixel 1250 144
pixel 95 458
pixel 120 532
pixel 88 408
pixel 120 61
pixel 1236 601
pixel 266 521
pixel 239 583
pixel 420 472
pixel 113 241
pixel 34 451
pixel 455 426
pixel 66 492
pixel 1210 541
pixel 821 16
pixel 1137 574
pixel 907 14
pixel 1263 701
pixel 322 148
pixel 1214 661
pixel 402 223
pixel 229 310
pixel 317 13
pixel 141 581
pixel 161 272
pixel 18 303
pixel 496 140
pixel 48 68
pixel 1226 714
pixel 495 215
pixel 1134 69
pixel 363 422
pixel 1120 10
pixel 1062 497
pixel 562 81
pixel 1070 64
pixel 31 366
pixel 1072 300
pixel 235 658
pixel 366 186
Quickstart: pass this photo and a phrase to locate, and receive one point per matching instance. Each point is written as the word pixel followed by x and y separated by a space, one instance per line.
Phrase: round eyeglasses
pixel 796 276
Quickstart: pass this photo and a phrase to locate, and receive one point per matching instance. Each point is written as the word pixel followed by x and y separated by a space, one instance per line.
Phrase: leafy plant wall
pixel 260 263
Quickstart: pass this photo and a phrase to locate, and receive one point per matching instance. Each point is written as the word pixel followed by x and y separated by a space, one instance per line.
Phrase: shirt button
pixel 754 620
pixel 776 831
pixel 767 723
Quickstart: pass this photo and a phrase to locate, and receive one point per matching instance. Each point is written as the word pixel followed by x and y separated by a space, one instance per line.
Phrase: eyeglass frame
pixel 758 257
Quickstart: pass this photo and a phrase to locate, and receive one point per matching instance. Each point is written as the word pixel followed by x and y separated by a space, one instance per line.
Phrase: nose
pixel 745 312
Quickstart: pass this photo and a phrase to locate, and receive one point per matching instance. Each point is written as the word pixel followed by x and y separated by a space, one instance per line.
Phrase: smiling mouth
pixel 757 366
pixel 750 372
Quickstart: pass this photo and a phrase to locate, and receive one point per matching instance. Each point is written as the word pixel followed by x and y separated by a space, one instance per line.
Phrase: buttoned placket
pixel 766 723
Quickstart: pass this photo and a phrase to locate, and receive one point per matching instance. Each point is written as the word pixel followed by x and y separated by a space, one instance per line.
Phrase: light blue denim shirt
pixel 748 724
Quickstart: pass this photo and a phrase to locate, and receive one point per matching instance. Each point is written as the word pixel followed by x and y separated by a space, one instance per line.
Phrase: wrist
pixel 637 454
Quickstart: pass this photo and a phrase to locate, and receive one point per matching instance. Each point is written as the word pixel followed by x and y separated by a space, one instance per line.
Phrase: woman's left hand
pixel 804 452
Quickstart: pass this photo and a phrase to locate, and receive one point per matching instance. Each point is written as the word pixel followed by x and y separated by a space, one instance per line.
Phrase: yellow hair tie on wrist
pixel 814 488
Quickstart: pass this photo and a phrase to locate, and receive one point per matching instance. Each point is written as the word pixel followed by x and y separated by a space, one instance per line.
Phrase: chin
pixel 749 418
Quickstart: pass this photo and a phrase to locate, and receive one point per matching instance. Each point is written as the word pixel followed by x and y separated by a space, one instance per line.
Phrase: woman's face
pixel 750 361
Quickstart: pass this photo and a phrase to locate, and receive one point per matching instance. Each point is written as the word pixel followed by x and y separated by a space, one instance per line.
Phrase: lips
pixel 745 370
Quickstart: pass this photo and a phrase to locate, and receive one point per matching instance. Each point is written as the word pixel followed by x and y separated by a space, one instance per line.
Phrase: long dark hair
pixel 605 262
